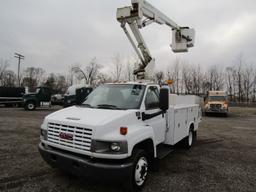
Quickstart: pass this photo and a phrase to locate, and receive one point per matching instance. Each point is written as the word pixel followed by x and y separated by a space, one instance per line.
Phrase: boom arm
pixel 141 14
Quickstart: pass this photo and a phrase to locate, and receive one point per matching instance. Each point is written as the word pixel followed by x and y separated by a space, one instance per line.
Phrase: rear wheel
pixel 30 106
pixel 190 139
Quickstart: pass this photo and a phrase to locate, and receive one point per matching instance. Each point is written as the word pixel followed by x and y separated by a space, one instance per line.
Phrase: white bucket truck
pixel 119 130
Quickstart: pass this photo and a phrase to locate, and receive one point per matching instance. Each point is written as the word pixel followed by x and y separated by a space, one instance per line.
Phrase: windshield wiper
pixel 107 106
pixel 86 105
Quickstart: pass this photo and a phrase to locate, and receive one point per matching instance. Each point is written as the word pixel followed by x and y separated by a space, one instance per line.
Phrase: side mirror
pixel 164 99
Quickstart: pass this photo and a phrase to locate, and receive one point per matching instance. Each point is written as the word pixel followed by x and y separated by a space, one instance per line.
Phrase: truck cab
pixel 33 100
pixel 119 130
pixel 76 94
pixel 216 102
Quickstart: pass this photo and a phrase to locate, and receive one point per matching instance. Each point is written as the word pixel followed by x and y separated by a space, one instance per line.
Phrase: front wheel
pixel 140 170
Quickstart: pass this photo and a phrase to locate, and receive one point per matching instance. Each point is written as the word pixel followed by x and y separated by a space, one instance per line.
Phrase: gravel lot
pixel 223 159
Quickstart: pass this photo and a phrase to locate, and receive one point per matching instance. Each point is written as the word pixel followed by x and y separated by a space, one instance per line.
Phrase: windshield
pixel 217 98
pixel 116 96
pixel 38 89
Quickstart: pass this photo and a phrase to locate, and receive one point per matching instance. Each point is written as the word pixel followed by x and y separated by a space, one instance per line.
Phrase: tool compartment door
pixel 194 116
pixel 180 125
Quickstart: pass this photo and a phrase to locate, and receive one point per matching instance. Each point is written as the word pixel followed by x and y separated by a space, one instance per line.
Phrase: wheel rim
pixel 190 138
pixel 141 171
pixel 30 106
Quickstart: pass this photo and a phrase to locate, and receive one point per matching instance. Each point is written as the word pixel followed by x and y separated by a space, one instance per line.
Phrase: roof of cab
pixel 134 83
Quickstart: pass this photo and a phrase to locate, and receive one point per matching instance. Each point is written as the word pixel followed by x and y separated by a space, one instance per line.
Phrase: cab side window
pixel 152 98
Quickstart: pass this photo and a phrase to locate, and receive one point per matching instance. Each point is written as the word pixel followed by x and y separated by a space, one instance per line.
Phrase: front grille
pixel 215 107
pixel 81 136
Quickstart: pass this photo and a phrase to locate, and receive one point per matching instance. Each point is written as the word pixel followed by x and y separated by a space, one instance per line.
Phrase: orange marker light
pixel 170 82
pixel 123 130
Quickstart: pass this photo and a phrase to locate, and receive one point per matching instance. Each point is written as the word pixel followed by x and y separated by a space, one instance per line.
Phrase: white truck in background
pixel 121 129
pixel 216 103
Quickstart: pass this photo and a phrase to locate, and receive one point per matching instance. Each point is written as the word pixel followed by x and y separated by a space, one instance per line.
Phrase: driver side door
pixel 158 122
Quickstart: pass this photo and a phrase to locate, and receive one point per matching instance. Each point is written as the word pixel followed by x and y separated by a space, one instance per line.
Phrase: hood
pixel 88 117
pixel 29 95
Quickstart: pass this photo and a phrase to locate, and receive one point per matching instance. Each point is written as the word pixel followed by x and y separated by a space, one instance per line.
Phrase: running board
pixel 163 150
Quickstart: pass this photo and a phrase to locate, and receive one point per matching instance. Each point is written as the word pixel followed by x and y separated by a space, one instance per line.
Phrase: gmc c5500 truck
pixel 119 131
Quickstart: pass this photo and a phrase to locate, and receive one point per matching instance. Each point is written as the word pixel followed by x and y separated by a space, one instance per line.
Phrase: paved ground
pixel 223 159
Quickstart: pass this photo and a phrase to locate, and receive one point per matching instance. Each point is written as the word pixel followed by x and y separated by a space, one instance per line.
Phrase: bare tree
pixel 51 80
pixel 216 79
pixel 33 77
pixel 254 87
pixel 187 78
pixel 174 73
pixel 9 78
pixel 118 67
pixel 197 78
pixel 159 76
pixel 129 68
pixel 229 82
pixel 239 77
pixel 60 84
pixel 70 75
pixel 103 78
pixel 3 67
pixel 247 82
pixel 193 79
pixel 90 73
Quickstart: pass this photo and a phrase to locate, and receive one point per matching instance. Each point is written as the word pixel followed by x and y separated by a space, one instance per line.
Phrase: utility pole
pixel 20 57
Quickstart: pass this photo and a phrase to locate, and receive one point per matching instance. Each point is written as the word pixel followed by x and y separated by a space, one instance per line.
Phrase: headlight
pixel 108 147
pixel 115 147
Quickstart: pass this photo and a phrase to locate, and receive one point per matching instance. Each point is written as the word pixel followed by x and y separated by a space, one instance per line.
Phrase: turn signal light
pixel 123 130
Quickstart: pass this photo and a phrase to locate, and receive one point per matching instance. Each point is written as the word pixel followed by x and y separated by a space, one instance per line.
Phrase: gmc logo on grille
pixel 66 136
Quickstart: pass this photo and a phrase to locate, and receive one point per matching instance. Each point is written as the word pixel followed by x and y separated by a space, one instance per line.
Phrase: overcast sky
pixel 54 34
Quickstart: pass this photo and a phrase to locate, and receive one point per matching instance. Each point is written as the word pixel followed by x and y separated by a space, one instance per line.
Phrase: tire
pixel 140 170
pixel 190 139
pixel 30 106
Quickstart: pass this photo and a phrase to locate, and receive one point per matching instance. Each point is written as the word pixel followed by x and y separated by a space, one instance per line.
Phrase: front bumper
pixel 85 166
pixel 216 110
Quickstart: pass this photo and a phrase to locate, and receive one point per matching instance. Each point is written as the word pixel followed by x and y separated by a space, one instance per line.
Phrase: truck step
pixel 163 150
